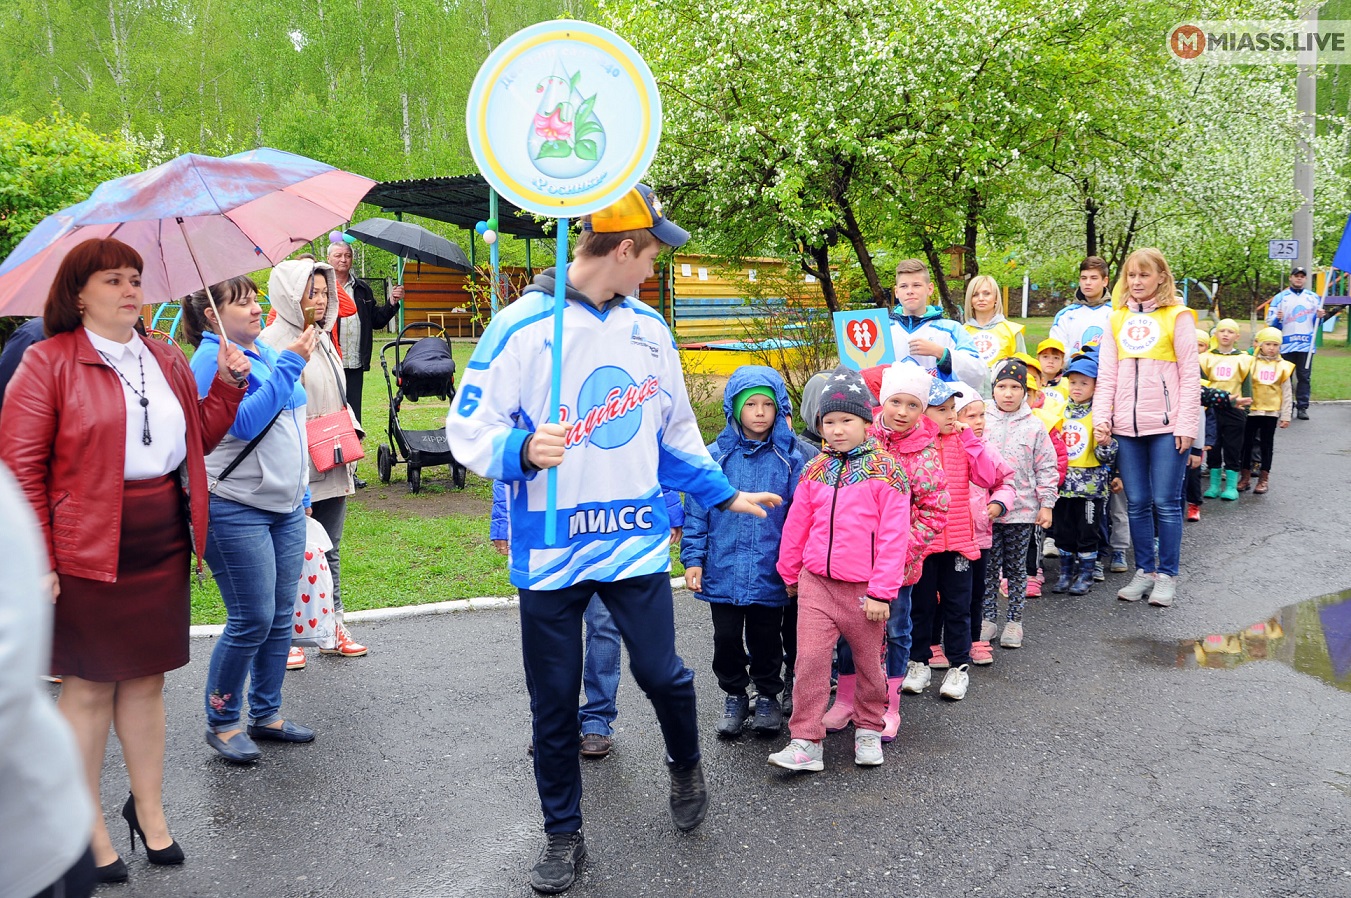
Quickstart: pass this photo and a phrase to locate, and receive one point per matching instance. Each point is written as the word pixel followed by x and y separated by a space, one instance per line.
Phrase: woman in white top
pixel 106 435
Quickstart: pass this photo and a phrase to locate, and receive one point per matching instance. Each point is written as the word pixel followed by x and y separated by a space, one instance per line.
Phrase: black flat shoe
pixel 287 732
pixel 239 750
pixel 114 872
pixel 165 857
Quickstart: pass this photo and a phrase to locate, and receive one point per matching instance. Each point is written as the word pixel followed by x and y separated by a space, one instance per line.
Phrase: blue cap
pixel 941 391
pixel 1087 365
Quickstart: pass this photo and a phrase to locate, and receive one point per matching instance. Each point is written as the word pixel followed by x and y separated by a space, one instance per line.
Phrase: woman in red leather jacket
pixel 106 436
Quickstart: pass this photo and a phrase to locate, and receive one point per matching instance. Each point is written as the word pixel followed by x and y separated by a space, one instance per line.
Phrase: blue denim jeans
pixel 600 670
pixel 899 626
pixel 256 557
pixel 1153 471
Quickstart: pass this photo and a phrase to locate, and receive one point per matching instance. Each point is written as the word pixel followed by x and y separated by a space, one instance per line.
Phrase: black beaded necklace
pixel 145 403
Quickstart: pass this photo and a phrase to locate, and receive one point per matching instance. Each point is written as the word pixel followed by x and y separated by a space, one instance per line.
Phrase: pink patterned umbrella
pixel 196 221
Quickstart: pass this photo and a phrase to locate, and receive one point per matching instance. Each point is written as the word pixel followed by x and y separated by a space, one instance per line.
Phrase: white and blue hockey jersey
pixel 630 428
pixel 1079 324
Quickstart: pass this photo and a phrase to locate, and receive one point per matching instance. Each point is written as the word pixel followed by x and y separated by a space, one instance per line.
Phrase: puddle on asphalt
pixel 1313 637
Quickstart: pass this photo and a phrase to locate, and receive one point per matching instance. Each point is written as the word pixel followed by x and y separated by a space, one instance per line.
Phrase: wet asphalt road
pixel 1080 764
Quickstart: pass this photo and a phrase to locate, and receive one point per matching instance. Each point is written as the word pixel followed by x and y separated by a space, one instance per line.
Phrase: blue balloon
pixel 481 227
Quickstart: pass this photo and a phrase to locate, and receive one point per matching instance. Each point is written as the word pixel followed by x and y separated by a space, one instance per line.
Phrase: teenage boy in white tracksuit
pixel 626 427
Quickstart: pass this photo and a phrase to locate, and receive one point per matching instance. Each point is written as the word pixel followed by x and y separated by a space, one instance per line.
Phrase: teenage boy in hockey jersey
pixel 626 427
pixel 1088 317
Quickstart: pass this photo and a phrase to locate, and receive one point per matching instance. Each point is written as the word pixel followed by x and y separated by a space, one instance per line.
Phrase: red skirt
pixel 138 625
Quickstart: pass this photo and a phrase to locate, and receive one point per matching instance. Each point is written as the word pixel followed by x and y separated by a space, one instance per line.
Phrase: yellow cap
pixel 1267 335
pixel 639 209
pixel 1226 324
pixel 1050 343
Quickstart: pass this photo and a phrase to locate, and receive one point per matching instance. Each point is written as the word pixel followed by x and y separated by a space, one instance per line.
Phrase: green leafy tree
pixel 50 164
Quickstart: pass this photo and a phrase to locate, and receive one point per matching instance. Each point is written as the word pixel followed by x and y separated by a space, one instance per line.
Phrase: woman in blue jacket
pixel 729 563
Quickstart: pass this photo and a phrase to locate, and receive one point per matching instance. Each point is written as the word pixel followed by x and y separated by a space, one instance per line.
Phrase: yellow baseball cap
pixel 1050 343
pixel 639 209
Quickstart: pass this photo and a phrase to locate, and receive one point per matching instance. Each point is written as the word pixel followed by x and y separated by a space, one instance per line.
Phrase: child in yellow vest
pixel 1228 368
pixel 994 336
pixel 1055 388
pixel 1083 495
pixel 1273 400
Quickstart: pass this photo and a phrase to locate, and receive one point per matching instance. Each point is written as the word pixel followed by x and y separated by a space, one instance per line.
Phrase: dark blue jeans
pixel 256 557
pixel 1153 470
pixel 600 670
pixel 551 645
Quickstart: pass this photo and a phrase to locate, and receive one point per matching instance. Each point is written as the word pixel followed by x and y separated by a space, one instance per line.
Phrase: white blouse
pixel 168 428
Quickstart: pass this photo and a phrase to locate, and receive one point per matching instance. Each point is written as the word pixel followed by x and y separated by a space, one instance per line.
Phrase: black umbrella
pixel 409 241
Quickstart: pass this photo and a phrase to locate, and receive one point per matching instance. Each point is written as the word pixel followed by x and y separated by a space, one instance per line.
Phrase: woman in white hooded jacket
pixel 293 286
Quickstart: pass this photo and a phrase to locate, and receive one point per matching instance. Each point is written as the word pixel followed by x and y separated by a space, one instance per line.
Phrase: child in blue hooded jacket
pixel 730 562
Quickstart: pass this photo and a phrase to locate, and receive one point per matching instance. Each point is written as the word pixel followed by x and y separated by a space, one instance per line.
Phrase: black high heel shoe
pixel 114 872
pixel 165 857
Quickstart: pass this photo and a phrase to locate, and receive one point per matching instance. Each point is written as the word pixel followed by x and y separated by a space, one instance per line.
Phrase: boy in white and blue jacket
pixel 627 428
pixel 730 559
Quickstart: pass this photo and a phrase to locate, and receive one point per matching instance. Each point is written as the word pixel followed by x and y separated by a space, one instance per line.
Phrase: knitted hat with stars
pixel 845 392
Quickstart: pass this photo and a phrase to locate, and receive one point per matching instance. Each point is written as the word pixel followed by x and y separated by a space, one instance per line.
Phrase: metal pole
pixel 556 384
pixel 494 300
pixel 1027 280
pixel 529 268
pixel 398 216
pixel 1305 100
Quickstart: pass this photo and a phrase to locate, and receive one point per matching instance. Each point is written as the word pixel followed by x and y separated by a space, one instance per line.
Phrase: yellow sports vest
pixel 1049 417
pixel 1054 399
pixel 1228 372
pixel 1079 442
pixel 1267 377
pixel 1146 335
pixel 995 343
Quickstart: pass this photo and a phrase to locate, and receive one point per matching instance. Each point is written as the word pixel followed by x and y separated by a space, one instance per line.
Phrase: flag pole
pixel 556 382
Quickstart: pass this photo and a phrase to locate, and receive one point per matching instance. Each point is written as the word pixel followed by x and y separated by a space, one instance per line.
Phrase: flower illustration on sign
pixel 566 138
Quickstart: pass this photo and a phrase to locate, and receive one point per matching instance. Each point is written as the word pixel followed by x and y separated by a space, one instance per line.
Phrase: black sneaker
pixel 359 483
pixel 689 795
pixel 734 715
pixel 768 716
pixel 786 700
pixel 1302 414
pixel 558 863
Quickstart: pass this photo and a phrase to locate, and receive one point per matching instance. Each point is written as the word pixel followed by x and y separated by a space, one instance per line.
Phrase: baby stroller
pixel 425 369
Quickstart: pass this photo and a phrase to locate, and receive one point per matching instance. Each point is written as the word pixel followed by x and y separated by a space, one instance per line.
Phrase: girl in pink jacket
pixel 971 470
pixel 903 430
pixel 848 525
pixel 1022 441
pixel 986 505
pixel 1149 398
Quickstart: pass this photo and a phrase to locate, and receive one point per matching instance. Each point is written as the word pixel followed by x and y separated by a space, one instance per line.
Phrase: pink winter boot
pixel 891 720
pixel 840 713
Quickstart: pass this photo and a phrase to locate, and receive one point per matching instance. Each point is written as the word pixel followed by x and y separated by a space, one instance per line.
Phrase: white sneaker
pixel 917 677
pixel 1049 549
pixel 1013 636
pixel 799 754
pixel 867 748
pixel 1165 588
pixel 988 631
pixel 954 684
pixel 1138 588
